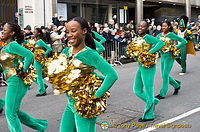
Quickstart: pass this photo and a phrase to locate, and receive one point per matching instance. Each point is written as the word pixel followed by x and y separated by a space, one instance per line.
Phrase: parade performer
pixel 73 74
pixel 145 48
pixel 16 77
pixel 183 32
pixel 168 54
pixel 39 60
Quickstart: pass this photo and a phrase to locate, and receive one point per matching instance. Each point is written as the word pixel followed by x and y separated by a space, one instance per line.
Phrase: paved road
pixel 124 108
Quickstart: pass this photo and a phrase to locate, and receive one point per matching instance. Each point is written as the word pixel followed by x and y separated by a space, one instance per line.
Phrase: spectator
pixel 16 17
pixel 56 39
pixel 28 33
pixel 46 36
pixel 122 44
pixel 55 20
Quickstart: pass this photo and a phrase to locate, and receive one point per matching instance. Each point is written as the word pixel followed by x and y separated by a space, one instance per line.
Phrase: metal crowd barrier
pixel 112 52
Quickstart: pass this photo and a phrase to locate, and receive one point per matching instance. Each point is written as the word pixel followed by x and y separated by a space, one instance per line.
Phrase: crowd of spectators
pixel 54 33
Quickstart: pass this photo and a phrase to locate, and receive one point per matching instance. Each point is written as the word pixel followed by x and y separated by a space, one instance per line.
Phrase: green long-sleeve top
pixel 100 48
pixel 15 48
pixel 98 36
pixel 91 58
pixel 41 43
pixel 155 42
pixel 174 37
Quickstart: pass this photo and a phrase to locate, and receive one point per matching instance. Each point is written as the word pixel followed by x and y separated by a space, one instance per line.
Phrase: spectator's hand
pixel 63 29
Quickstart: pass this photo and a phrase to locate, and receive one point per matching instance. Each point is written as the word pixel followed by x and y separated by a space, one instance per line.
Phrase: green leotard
pixel 38 67
pixel 71 121
pixel 167 63
pixel 145 78
pixel 16 91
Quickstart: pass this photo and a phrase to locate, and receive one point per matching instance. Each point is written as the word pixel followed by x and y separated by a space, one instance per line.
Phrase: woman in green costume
pixel 98 39
pixel 83 49
pixel 167 59
pixel 39 45
pixel 145 76
pixel 16 90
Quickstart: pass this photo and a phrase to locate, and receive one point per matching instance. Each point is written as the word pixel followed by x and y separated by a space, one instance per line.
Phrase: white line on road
pixel 173 119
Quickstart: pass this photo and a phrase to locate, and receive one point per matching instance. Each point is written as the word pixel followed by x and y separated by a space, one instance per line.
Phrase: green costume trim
pixel 16 91
pixel 38 68
pixel 71 120
pixel 98 36
pixel 145 78
pixel 99 46
pixel 167 63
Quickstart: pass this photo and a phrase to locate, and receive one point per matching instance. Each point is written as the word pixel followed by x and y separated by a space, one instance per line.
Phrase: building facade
pixel 40 12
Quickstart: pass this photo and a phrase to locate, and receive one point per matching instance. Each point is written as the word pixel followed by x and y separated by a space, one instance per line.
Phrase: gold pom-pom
pixel 174 51
pixel 79 82
pixel 30 45
pixel 39 55
pixel 139 48
pixel 147 59
pixel 29 76
pixel 169 47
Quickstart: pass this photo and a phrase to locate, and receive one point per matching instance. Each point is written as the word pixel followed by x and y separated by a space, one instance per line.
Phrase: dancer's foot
pixel 38 95
pixel 159 97
pixel 176 90
pixel 144 120
pixel 1 111
pixel 46 86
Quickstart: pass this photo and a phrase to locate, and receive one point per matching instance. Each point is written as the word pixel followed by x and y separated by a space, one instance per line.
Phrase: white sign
pixel 121 15
pixel 28 9
pixel 62 11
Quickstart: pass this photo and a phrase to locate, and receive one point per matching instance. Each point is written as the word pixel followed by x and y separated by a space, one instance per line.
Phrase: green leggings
pixel 145 78
pixel 166 65
pixel 182 58
pixel 2 103
pixel 72 122
pixel 39 78
pixel 15 92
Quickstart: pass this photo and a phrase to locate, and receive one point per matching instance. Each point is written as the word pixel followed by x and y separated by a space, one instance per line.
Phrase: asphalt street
pixel 124 107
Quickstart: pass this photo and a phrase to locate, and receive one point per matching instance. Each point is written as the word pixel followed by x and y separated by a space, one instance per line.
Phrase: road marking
pixel 173 119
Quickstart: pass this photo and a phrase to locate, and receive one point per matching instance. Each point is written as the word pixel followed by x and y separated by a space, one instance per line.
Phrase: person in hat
pixel 185 33
pixel 28 33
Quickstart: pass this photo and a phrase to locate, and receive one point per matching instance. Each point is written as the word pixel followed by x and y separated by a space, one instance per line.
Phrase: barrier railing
pixel 113 51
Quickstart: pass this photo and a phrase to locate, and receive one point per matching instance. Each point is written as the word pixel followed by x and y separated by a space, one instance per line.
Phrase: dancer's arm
pixel 107 70
pixel 15 48
pixel 100 47
pixel 41 43
pixel 173 36
pixel 101 38
pixel 156 43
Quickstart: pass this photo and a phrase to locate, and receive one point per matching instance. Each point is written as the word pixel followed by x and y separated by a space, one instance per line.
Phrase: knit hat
pixel 28 27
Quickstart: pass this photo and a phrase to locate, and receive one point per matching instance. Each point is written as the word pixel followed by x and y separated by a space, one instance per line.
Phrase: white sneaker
pixel 181 73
